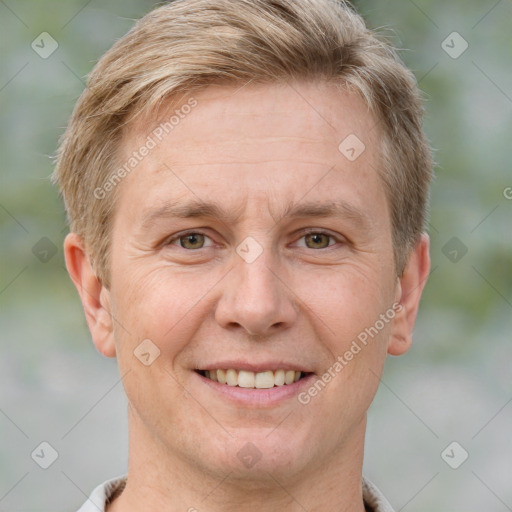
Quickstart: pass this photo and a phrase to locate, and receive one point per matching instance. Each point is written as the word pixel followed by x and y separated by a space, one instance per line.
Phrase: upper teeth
pixel 260 380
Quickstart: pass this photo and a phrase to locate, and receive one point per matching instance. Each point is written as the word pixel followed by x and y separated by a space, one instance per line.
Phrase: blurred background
pixel 440 428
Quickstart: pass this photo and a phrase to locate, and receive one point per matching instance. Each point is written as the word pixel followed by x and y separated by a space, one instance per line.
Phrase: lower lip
pixel 258 397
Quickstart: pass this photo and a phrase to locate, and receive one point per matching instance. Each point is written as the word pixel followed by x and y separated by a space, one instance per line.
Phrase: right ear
pixel 94 296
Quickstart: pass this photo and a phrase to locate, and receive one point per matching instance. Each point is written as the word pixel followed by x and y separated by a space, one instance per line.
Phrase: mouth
pixel 254 380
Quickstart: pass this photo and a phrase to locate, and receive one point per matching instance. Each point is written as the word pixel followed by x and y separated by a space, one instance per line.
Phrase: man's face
pixel 264 288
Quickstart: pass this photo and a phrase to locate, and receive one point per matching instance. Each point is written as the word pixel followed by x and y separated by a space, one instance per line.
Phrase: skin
pixel 251 150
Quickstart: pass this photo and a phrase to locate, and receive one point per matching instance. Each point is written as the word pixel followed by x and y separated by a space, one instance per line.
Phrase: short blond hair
pixel 187 45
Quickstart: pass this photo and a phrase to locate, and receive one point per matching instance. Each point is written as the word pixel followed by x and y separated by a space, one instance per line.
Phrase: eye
pixel 318 240
pixel 191 241
pixel 195 240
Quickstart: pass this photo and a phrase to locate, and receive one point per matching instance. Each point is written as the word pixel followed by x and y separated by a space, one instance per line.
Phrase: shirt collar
pixel 373 499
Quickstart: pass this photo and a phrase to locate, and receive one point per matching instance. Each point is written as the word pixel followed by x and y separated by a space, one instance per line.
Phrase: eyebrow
pixel 202 209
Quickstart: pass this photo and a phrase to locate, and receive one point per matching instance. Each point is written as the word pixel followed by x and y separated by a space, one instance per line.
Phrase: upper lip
pixel 255 367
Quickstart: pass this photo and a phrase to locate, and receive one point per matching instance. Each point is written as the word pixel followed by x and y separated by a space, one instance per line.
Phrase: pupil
pixel 317 238
pixel 191 239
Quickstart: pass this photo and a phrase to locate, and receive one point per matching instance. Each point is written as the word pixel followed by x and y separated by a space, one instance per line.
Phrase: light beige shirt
pixel 373 499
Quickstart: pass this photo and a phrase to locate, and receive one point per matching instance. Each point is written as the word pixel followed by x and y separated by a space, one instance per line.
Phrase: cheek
pixel 164 305
pixel 345 301
pixel 353 317
pixel 347 384
pixel 157 313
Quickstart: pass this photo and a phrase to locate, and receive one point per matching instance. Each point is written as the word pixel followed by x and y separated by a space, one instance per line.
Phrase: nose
pixel 257 297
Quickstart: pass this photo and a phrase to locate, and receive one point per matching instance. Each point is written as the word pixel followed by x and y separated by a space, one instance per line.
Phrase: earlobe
pixel 409 291
pixel 94 296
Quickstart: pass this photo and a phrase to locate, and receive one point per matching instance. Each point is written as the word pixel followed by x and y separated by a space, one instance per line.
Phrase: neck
pixel 167 481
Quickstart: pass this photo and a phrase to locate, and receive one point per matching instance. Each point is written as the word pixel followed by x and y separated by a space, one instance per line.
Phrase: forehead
pixel 308 112
pixel 274 139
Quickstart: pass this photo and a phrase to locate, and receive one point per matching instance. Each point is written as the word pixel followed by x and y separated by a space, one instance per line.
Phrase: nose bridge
pixel 254 268
pixel 255 298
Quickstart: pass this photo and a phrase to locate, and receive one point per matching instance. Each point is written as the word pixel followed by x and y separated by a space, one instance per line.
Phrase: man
pixel 246 183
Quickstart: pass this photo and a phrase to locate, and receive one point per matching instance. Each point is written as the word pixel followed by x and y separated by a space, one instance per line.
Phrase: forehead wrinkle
pixel 187 210
pixel 198 209
pixel 335 208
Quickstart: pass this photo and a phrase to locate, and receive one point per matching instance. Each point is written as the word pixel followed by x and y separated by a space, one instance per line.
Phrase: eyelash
pixel 308 231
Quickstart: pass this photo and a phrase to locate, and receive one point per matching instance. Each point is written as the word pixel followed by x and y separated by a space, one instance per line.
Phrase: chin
pixel 253 455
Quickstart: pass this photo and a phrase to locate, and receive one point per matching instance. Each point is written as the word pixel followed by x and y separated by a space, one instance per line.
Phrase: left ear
pixel 409 292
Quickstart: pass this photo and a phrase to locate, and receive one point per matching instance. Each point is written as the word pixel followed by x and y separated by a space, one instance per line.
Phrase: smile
pixel 253 380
